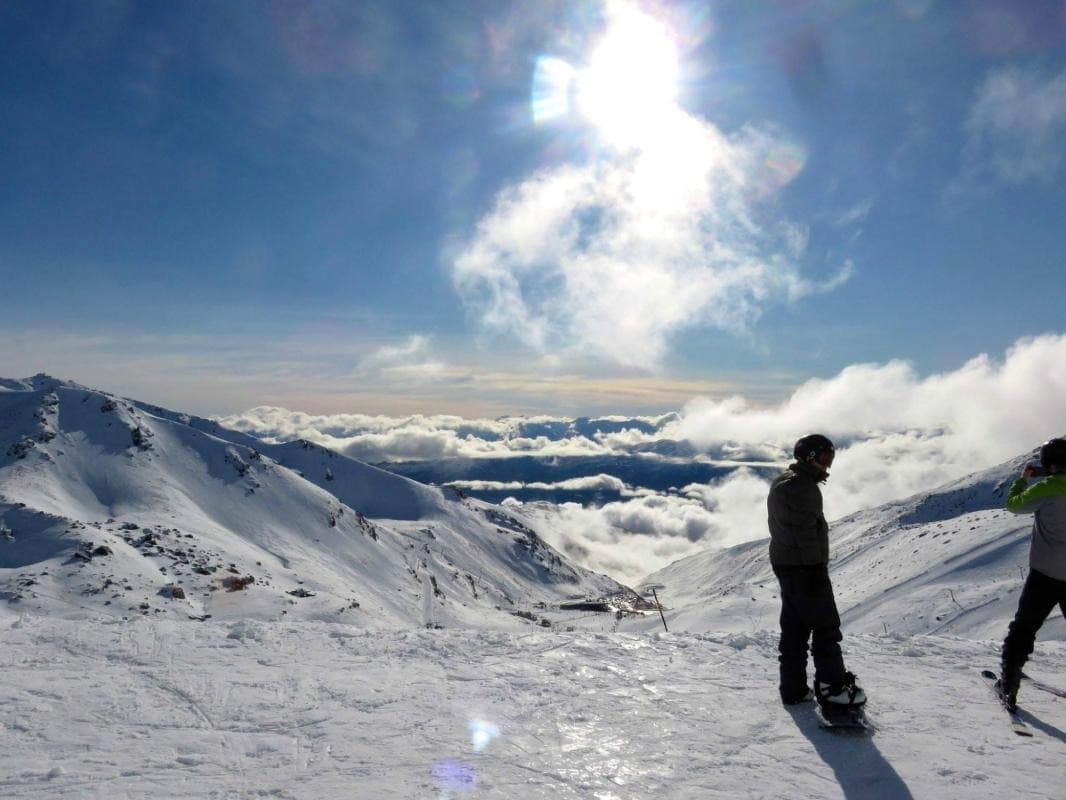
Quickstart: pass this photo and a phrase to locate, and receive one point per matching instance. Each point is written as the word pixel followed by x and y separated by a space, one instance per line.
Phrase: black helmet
pixel 1053 453
pixel 810 445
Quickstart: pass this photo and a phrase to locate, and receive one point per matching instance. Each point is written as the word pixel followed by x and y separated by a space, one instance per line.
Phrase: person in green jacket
pixel 1045 586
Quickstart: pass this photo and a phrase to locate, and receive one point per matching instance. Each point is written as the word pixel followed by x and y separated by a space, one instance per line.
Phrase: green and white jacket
pixel 1046 499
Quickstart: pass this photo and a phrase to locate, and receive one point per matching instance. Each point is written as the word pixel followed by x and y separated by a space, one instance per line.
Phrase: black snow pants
pixel 1040 595
pixel 808 613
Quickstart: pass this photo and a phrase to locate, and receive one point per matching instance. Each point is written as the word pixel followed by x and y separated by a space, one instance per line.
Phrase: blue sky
pixel 359 206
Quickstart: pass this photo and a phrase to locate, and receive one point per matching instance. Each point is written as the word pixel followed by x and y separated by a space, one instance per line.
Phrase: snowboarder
pixel 799 555
pixel 1045 585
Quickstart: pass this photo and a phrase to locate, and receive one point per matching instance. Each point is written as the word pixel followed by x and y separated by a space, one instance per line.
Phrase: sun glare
pixel 627 93
pixel 630 84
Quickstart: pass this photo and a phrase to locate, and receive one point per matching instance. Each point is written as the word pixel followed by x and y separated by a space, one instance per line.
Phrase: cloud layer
pixel 898 433
pixel 903 432
pixel 420 437
pixel 632 538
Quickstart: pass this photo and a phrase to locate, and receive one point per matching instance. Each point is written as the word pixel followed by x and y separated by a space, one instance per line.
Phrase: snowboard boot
pixel 845 694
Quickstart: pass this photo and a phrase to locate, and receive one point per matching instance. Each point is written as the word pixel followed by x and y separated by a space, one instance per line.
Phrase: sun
pixel 629 88
pixel 626 91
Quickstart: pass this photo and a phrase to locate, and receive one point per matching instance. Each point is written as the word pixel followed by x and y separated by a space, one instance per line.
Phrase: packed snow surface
pixel 159 708
pixel 187 612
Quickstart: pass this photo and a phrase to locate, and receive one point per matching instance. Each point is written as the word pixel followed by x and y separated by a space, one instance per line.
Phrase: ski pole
pixel 660 607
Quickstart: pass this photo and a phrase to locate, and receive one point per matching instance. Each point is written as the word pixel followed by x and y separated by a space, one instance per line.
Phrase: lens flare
pixel 553 79
pixel 783 163
pixel 481 734
pixel 454 775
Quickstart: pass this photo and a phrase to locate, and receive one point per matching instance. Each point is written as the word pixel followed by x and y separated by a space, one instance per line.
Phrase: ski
pixel 1016 723
pixel 842 720
pixel 1044 687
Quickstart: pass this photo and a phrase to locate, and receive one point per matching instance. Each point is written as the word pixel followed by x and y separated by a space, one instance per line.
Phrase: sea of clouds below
pixel 898 433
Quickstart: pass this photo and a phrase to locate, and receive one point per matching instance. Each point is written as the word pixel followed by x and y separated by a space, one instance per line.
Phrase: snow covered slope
pixel 302 710
pixel 111 506
pixel 950 561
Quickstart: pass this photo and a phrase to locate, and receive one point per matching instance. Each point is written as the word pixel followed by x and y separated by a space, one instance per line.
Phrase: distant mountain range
pixel 110 506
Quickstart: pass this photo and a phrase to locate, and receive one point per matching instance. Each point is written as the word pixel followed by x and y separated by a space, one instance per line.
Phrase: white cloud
pixel 418 437
pixel 407 365
pixel 614 257
pixel 625 540
pixel 394 355
pixel 902 433
pixel 898 433
pixel 588 483
pixel 857 213
pixel 1017 125
pixel 632 538
pixel 367 438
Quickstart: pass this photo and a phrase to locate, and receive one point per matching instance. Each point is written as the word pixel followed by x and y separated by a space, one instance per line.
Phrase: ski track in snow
pixel 160 708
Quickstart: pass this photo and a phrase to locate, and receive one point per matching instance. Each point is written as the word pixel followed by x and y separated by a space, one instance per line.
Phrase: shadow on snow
pixel 860 769
pixel 1040 725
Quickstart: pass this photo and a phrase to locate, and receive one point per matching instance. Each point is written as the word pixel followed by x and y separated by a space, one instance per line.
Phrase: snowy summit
pixel 188 611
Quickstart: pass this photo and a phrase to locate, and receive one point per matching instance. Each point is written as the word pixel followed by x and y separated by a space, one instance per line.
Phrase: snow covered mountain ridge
pixel 116 507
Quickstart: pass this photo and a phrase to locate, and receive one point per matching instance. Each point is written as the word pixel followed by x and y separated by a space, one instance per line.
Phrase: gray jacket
pixel 799 534
pixel 1046 501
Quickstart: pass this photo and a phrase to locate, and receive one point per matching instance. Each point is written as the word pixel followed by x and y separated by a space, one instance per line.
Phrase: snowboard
pixel 1016 723
pixel 843 720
